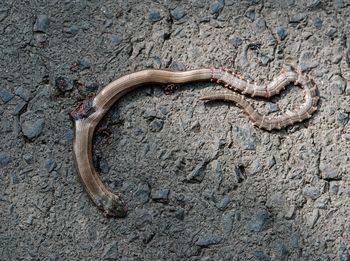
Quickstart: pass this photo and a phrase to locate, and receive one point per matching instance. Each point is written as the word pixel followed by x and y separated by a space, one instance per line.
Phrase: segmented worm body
pixel 88 114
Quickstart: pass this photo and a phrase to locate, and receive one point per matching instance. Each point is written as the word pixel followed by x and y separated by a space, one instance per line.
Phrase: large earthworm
pixel 88 114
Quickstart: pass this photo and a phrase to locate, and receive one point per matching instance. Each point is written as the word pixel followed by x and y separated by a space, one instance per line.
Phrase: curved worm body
pixel 88 114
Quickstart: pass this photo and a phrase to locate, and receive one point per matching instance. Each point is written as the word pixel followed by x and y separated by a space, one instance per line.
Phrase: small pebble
pixel 295 173
pixel 154 16
pixel 338 84
pixel 163 111
pixel 260 221
pixel 178 13
pixel 157 62
pixel 20 107
pixel 245 137
pixel 147 236
pixel 264 59
pixel 312 218
pixel 142 218
pixel 143 193
pixel 318 23
pixel 290 211
pixel 329 173
pixel 180 214
pixel 107 12
pixel 149 114
pixel 261 256
pixel 347 136
pixel 276 200
pixel 91 87
pixel 282 33
pixel 161 195
pixel 69 135
pixel 72 30
pixel 50 165
pixel 208 240
pixel 54 258
pixel 3 13
pixel 197 174
pixel 216 7
pixel 28 158
pixel 334 188
pixel 156 125
pixel 347 90
pixel 5 95
pixel 139 133
pixel 223 203
pixel 260 24
pixel 29 221
pixel 7 125
pixel 41 24
pixel 5 159
pixel 342 117
pixel 32 128
pixel 314 4
pixel 14 178
pixel 84 63
pixel 250 14
pixel 239 174
pixel 307 66
pixel 236 41
pixel 40 40
pixel 110 251
pixel 340 4
pixel 298 18
pixel 217 145
pixel 23 93
pixel 198 3
pixel 295 240
pixel 255 167
pixel 337 58
pixel 343 252
pixel 108 23
pixel 228 220
pixel 307 61
pixel 331 32
pixel 218 170
pixel 322 202
pixel 311 192
pixel 115 39
pixel 272 107
pixel 177 66
pixel 282 251
pixel 103 165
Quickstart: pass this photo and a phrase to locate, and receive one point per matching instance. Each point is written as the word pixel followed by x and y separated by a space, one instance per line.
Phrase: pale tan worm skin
pixel 87 115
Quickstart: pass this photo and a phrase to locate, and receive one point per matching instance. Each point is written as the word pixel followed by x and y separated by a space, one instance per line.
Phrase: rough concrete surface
pixel 202 183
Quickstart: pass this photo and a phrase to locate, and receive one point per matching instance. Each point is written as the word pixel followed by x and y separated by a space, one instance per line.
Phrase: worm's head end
pixel 115 206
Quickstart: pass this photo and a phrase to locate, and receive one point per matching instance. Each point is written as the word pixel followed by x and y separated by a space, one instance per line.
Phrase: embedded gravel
pixel 202 183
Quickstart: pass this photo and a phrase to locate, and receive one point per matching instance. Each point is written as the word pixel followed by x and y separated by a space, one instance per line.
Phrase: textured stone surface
pixel 32 125
pixel 201 182
pixel 41 24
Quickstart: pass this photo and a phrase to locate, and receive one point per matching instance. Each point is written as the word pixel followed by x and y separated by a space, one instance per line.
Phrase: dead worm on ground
pixel 88 114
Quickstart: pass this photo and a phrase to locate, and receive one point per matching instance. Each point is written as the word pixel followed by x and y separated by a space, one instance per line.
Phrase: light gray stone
pixel 41 24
